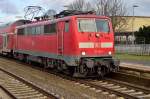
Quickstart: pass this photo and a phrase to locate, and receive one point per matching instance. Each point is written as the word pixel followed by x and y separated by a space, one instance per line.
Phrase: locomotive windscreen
pixel 93 25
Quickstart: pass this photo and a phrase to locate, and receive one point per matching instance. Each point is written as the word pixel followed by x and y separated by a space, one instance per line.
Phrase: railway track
pixel 110 87
pixel 18 88
pixel 131 78
pixel 118 88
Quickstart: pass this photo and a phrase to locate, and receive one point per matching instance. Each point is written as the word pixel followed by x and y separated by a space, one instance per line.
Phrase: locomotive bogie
pixel 98 66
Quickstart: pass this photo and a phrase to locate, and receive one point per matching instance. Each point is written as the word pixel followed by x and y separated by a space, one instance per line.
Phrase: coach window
pixel 67 26
pixel 20 31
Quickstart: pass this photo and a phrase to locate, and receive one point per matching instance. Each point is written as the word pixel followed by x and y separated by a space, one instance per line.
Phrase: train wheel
pixel 59 67
pixel 44 62
pixel 101 71
pixel 83 70
pixel 72 70
pixel 25 58
pixel 28 60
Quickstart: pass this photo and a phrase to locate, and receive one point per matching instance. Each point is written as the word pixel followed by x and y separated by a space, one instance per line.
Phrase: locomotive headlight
pixel 83 53
pixel 109 52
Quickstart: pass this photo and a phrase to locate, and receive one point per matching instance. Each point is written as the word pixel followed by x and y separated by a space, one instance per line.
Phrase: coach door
pixel 5 41
pixel 60 37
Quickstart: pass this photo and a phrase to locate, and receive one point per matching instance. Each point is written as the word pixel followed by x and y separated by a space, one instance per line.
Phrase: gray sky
pixel 9 9
pixel 142 10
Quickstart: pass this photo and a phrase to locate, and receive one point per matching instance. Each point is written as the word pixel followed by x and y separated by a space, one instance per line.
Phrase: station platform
pixel 134 66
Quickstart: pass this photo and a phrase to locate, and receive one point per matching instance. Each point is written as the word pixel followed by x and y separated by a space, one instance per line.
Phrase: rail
pixel 17 87
pixel 121 89
pixel 109 88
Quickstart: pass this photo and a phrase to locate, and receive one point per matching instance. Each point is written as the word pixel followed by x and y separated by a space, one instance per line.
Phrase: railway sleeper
pixel 121 89
pixel 108 84
pixel 136 93
pixel 18 89
pixel 16 85
pixel 144 96
pixel 128 91
pixel 23 91
pixel 26 94
pixel 114 87
pixel 30 96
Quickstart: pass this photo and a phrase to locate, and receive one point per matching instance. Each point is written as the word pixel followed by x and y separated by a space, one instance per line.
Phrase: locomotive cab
pixel 95 39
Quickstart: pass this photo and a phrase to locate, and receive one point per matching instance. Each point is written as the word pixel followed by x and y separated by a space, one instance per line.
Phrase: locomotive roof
pixel 42 22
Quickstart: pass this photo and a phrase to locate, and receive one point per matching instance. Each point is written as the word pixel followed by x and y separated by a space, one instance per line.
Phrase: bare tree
pixel 115 9
pixel 80 5
pixel 120 23
pixel 88 7
pixel 50 12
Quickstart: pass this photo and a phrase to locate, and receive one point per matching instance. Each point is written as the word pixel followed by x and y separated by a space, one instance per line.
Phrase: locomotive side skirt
pixel 70 60
pixel 99 66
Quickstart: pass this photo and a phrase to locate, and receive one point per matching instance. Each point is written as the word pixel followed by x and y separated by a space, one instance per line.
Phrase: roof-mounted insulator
pixel 72 12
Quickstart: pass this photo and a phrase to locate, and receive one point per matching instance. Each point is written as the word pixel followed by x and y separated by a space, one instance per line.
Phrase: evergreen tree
pixel 143 35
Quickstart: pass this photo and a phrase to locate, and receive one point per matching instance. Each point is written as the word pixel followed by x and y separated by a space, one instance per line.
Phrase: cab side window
pixel 50 28
pixel 53 28
pixel 47 28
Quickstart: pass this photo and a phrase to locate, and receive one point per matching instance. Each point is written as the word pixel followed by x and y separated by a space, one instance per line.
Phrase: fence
pixel 138 49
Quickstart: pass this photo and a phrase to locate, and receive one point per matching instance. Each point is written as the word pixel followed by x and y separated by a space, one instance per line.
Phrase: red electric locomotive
pixel 82 44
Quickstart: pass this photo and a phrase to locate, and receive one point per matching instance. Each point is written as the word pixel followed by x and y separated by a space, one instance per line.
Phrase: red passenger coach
pixel 81 44
pixel 7 32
